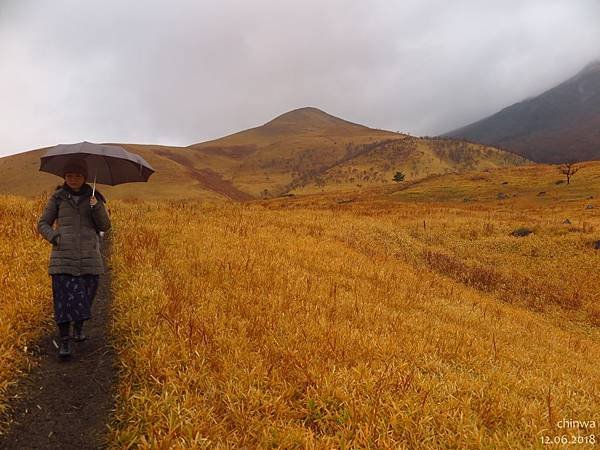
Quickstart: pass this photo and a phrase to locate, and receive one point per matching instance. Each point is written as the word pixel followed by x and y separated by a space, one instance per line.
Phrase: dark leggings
pixel 63 328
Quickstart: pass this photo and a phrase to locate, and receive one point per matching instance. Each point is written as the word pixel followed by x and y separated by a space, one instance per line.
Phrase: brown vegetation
pixel 25 300
pixel 303 150
pixel 312 322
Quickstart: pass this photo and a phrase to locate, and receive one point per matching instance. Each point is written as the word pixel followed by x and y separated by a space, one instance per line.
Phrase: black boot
pixel 78 332
pixel 64 348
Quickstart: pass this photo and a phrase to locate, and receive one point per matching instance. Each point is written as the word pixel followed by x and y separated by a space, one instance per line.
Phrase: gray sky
pixel 180 72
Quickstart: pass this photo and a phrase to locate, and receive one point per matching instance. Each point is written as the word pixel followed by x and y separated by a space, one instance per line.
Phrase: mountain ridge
pixel 561 124
pixel 300 150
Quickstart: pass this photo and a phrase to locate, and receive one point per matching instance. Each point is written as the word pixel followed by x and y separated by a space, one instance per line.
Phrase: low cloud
pixel 185 71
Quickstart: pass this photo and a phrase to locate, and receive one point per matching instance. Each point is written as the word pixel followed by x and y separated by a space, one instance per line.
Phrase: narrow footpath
pixel 67 404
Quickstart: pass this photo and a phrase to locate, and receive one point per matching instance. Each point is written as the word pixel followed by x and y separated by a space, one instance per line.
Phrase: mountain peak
pixel 307 118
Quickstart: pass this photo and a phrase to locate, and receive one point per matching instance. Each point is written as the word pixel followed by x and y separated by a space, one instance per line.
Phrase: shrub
pixel 521 232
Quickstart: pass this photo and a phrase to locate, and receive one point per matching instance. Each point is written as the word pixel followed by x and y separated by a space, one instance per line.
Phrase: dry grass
pixel 25 300
pixel 354 321
pixel 303 151
pixel 376 164
pixel 313 324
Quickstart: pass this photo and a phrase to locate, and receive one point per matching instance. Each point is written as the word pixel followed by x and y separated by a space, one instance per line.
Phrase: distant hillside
pixel 19 175
pixel 559 125
pixel 375 164
pixel 527 187
pixel 291 147
pixel 300 151
pixel 536 184
pixel 307 150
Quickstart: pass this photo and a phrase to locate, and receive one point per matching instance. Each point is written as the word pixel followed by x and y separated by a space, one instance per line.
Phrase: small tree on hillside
pixel 568 169
pixel 398 177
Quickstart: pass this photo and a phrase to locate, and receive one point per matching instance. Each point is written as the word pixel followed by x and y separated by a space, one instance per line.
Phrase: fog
pixel 183 71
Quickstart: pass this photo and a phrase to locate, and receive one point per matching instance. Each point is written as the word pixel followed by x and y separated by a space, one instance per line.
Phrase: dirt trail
pixel 67 404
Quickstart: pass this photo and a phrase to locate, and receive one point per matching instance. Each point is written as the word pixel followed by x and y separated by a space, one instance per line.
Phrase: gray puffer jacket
pixel 75 242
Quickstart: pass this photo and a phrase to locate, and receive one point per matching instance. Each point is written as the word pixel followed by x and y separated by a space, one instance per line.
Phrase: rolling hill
pixel 533 189
pixel 297 152
pixel 291 147
pixel 375 164
pixel 562 124
pixel 19 175
pixel 307 149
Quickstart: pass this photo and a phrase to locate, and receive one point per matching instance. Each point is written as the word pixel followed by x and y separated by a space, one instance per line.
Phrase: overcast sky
pixel 179 72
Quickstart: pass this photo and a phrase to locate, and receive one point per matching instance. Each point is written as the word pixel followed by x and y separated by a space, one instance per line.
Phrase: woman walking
pixel 75 261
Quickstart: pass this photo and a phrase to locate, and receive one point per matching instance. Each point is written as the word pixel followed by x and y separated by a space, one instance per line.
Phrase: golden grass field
pixel 25 290
pixel 321 323
pixel 400 317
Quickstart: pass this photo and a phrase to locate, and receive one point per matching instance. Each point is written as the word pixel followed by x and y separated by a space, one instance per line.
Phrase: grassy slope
pixel 297 151
pixel 313 323
pixel 533 185
pixel 290 146
pixel 470 240
pixel 308 151
pixel 414 157
pixel 19 175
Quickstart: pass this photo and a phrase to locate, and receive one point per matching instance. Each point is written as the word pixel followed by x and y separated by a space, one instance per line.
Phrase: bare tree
pixel 568 169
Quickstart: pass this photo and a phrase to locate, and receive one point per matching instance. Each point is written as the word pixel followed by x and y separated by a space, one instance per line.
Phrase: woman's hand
pixel 93 201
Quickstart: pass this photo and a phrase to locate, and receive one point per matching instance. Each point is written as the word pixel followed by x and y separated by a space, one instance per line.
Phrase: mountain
pixel 299 151
pixel 293 146
pixel 307 149
pixel 375 164
pixel 562 124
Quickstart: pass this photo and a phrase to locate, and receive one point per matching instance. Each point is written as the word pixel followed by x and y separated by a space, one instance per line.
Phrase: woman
pixel 75 261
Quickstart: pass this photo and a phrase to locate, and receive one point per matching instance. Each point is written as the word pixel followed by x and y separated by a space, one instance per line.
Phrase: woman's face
pixel 74 180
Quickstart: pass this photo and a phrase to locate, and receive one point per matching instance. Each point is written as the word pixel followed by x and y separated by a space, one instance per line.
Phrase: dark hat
pixel 75 168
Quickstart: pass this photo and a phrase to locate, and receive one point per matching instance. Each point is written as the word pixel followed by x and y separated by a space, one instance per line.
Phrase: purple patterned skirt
pixel 73 296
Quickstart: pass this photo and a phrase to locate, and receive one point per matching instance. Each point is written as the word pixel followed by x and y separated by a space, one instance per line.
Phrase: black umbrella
pixel 110 164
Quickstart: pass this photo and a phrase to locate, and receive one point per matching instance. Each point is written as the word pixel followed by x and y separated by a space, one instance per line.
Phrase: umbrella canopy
pixel 107 164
